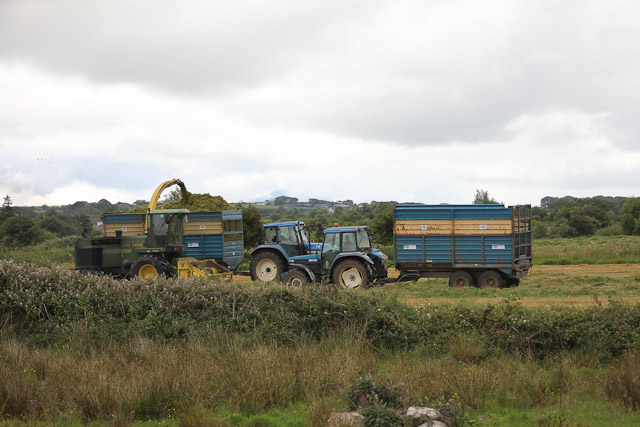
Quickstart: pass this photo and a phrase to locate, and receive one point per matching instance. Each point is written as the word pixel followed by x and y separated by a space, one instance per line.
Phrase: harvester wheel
pixel 350 274
pixel 460 279
pixel 491 279
pixel 296 278
pixel 148 267
pixel 266 267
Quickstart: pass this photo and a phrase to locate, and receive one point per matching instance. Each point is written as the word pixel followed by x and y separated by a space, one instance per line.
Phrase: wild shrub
pixel 366 392
pixel 622 382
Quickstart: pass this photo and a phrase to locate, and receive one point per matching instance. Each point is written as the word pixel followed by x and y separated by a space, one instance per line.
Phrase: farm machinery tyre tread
pixel 460 279
pixel 491 279
pixel 296 278
pixel 150 267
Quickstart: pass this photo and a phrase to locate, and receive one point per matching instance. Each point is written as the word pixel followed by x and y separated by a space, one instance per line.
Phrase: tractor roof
pixel 345 229
pixel 283 224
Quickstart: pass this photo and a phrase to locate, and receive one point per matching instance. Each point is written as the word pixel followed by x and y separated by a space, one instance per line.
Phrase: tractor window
pixel 363 240
pixel 287 236
pixel 303 233
pixel 348 242
pixel 270 235
pixel 330 249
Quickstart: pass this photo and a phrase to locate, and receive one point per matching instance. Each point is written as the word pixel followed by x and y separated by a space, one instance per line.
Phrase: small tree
pixel 7 210
pixel 251 226
pixel 382 226
pixel 630 216
pixel 482 198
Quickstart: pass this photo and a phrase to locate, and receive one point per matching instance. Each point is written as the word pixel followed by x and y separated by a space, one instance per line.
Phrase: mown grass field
pixel 561 349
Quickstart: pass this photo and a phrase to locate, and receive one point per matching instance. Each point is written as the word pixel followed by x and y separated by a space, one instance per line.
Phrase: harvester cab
pixel 347 259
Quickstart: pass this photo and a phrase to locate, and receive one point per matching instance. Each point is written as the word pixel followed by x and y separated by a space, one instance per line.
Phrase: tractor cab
pixel 291 236
pixel 346 258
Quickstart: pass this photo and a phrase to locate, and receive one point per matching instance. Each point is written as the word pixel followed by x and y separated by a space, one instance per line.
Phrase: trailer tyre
pixel 148 267
pixel 296 278
pixel 266 267
pixel 351 274
pixel 460 279
pixel 491 279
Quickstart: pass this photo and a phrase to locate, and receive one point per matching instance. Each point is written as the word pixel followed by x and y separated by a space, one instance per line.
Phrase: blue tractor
pixel 282 240
pixel 346 258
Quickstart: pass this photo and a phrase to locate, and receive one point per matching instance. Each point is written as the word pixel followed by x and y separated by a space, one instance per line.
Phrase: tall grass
pixel 587 250
pixel 208 379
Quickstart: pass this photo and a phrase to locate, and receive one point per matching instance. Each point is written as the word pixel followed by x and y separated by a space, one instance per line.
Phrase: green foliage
pixel 375 394
pixel 59 226
pixel 37 300
pixel 380 416
pixel 200 203
pixel 382 226
pixel 482 198
pixel 622 381
pixel 251 226
pixel 630 216
pixel 7 209
pixel 20 230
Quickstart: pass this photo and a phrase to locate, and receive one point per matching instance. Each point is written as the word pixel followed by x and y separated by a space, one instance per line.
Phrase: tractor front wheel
pixel 296 278
pixel 350 274
pixel 148 267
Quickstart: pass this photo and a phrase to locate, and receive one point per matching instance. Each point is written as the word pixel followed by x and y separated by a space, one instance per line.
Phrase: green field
pixel 84 350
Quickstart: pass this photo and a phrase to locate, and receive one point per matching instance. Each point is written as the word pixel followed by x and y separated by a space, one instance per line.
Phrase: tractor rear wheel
pixel 266 267
pixel 350 274
pixel 148 267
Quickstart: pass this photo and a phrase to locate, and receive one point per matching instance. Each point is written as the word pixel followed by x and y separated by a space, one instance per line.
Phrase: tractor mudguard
pixel 277 248
pixel 310 274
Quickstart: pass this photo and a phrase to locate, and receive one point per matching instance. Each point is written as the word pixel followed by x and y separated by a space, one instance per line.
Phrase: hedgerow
pixel 40 304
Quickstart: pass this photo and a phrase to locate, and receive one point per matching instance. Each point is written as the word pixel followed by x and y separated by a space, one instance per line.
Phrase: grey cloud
pixel 196 47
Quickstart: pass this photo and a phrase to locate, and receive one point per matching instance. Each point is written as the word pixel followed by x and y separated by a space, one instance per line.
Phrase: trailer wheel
pixel 266 267
pixel 460 279
pixel 296 278
pixel 350 274
pixel 491 279
pixel 148 267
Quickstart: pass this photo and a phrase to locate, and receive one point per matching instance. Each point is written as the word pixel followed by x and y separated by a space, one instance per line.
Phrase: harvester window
pixel 160 224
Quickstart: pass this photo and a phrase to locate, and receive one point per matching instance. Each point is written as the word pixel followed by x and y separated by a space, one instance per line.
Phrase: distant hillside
pixel 92 210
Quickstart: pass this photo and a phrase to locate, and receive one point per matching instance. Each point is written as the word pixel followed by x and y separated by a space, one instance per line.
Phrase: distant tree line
pixel 20 229
pixel 572 217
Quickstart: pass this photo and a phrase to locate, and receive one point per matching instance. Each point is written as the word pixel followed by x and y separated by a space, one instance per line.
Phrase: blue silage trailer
pixel 471 245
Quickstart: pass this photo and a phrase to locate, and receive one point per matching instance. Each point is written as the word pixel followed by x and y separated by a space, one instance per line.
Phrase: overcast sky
pixel 415 101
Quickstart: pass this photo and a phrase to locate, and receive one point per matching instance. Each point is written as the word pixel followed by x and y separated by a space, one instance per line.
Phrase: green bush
pixel 380 416
pixel 39 301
